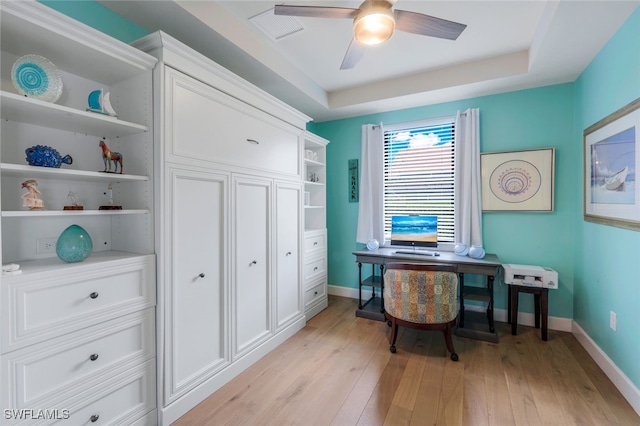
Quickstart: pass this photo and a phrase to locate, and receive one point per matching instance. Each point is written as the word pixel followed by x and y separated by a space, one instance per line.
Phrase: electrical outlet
pixel 46 245
pixel 613 320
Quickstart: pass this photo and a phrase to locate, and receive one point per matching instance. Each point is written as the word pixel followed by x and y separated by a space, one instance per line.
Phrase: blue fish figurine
pixel 45 156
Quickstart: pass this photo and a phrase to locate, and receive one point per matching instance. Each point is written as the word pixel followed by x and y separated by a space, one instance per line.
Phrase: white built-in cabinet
pixel 196 274
pixel 252 262
pixel 287 251
pixel 315 224
pixel 78 338
pixel 230 223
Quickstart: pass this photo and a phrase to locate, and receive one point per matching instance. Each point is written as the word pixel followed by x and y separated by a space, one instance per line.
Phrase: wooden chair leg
pixel 449 340
pixel 394 336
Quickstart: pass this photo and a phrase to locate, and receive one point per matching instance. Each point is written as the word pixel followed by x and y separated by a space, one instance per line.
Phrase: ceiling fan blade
pixel 315 11
pixel 355 52
pixel 418 23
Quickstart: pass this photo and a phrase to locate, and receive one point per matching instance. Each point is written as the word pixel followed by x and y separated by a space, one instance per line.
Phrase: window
pixel 419 173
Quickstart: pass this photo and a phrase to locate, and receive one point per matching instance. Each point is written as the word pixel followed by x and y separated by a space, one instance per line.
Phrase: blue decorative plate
pixel 36 77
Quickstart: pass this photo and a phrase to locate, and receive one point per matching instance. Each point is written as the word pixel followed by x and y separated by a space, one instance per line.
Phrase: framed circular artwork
pixel 518 180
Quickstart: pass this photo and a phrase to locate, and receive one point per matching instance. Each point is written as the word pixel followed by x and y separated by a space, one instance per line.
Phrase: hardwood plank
pixel 451 407
pixel 378 405
pixel 625 413
pixel 539 374
pixel 475 408
pixel 496 388
pixel 404 399
pixel 354 404
pixel 427 400
pixel 599 410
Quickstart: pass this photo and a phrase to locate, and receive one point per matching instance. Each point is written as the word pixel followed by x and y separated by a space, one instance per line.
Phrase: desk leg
pixel 513 296
pixel 359 285
pixel 373 273
pixel 492 327
pixel 509 305
pixel 382 289
pixel 461 278
pixel 545 312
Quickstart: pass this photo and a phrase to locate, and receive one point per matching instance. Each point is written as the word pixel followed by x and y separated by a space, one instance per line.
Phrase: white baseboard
pixel 555 323
pixel 619 379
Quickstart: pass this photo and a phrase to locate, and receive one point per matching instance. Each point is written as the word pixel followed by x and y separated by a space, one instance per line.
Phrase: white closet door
pixel 252 210
pixel 196 319
pixel 288 287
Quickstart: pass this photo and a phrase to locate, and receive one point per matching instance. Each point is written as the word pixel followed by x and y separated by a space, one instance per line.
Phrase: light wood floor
pixel 338 371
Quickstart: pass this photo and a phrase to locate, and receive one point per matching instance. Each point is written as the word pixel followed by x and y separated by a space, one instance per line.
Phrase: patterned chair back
pixel 421 293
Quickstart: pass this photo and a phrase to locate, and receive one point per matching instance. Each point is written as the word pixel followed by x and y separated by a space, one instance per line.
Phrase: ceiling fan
pixel 374 22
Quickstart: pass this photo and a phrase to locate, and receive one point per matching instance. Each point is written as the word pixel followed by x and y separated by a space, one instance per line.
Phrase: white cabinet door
pixel 252 210
pixel 225 130
pixel 288 288
pixel 197 287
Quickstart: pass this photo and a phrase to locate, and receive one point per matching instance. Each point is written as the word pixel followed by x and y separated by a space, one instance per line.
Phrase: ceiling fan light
pixel 374 28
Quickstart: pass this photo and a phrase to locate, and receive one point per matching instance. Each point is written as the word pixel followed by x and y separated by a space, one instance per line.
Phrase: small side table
pixel 541 303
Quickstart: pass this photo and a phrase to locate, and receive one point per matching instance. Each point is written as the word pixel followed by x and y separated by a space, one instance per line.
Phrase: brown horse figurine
pixel 109 157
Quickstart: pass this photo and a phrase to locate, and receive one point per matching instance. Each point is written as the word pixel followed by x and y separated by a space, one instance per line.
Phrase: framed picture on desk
pixel 518 180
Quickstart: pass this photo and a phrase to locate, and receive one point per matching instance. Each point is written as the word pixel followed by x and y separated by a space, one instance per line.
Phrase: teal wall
pixel 598 265
pixel 535 118
pixel 99 17
pixel 607 259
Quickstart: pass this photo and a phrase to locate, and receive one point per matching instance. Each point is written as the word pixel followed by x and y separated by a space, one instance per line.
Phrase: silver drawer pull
pixel 288 253
pixel 315 243
pixel 315 269
pixel 253 141
pixel 94 295
pixel 201 275
pixel 253 263
pixel 93 357
pixel 94 418
pixel 315 293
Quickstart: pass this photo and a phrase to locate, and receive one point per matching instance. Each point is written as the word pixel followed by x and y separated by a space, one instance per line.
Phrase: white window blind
pixel 419 173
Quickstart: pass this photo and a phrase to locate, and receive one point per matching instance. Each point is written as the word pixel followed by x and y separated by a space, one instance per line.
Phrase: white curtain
pixel 468 214
pixel 371 197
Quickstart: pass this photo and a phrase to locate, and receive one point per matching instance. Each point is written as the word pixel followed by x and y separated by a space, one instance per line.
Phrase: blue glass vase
pixel 74 244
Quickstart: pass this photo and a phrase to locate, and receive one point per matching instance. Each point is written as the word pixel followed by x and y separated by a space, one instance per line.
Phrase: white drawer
pixel 314 268
pixel 38 376
pixel 48 304
pixel 208 125
pixel 315 241
pixel 123 400
pixel 314 293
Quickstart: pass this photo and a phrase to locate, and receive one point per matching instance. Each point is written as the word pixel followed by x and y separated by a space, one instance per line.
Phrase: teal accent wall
pixel 99 17
pixel 536 118
pixel 608 258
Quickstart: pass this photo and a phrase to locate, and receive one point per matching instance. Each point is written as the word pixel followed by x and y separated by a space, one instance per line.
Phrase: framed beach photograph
pixel 612 151
pixel 518 180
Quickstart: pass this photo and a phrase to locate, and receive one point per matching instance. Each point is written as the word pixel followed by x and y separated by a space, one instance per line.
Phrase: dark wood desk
pixel 489 266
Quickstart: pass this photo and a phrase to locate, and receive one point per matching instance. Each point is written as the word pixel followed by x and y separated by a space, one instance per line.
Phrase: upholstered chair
pixel 422 296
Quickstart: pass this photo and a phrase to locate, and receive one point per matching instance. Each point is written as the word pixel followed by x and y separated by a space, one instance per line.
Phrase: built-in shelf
pixel 53 263
pixel 313 162
pixel 60 173
pixel 308 182
pixel 23 109
pixel 314 207
pixel 62 213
